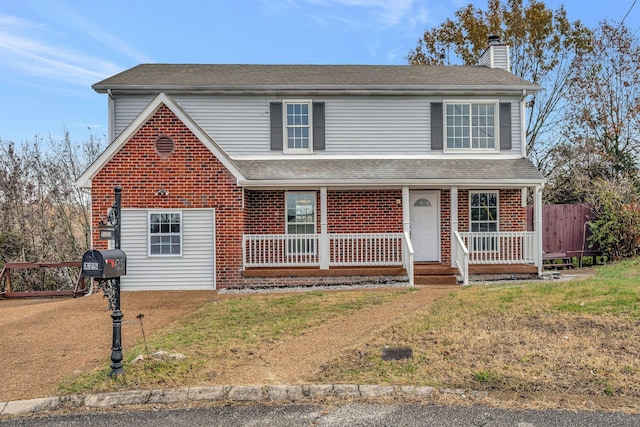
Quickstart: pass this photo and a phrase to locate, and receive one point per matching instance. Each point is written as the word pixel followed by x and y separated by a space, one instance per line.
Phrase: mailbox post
pixel 107 266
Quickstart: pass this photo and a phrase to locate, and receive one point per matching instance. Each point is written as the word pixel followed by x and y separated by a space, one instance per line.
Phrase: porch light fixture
pixel 162 192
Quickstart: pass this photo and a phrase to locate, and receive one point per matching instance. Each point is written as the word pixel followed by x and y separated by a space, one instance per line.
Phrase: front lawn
pixel 579 337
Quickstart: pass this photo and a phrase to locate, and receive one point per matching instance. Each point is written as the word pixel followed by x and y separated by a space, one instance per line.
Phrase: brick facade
pixel 364 211
pixel 193 178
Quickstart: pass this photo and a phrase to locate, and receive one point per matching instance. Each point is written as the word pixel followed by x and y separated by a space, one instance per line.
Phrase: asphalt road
pixel 352 415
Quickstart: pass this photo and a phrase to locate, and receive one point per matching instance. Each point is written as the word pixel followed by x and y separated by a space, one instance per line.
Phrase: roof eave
pixel 332 89
pixel 467 183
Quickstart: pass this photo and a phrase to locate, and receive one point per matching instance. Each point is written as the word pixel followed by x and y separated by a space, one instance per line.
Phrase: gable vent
pixel 164 146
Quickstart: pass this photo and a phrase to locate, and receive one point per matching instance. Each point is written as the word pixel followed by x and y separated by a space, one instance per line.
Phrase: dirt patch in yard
pixel 46 340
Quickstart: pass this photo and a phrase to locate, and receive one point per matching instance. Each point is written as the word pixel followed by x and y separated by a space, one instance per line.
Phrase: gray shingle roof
pixel 168 77
pixel 390 170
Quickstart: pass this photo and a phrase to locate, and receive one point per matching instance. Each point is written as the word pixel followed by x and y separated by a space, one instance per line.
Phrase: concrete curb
pixel 245 393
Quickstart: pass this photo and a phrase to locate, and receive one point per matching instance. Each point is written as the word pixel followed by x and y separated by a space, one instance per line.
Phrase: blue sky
pixel 52 51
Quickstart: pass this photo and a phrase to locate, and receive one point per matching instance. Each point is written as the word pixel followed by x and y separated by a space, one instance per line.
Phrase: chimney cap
pixel 494 40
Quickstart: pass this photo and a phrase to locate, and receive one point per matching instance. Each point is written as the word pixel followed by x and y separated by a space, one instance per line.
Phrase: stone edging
pixel 248 393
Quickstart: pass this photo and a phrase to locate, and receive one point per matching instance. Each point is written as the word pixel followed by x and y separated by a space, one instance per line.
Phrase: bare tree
pixel 543 43
pixel 43 217
pixel 604 121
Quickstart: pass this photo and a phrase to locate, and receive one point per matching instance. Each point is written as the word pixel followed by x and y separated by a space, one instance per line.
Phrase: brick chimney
pixel 496 55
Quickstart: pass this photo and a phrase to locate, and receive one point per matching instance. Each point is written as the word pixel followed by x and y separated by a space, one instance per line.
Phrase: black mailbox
pixel 104 264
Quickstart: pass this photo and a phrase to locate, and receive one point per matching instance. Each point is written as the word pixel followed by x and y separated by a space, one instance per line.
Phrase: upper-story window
pixel 298 125
pixel 471 126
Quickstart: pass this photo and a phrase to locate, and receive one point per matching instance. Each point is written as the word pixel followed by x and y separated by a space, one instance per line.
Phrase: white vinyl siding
pixel 126 109
pixel 359 125
pixel 193 270
pixel 516 128
pixel 377 125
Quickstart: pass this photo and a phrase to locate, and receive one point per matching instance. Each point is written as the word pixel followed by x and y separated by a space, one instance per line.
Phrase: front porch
pixel 332 258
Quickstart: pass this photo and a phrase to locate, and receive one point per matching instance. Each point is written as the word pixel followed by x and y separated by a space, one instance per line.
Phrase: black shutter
pixel 505 126
pixel 276 126
pixel 436 126
pixel 318 126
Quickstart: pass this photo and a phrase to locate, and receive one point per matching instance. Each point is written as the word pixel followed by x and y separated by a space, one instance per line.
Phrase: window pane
pixel 301 213
pixel 165 237
pixel 470 126
pixel 484 216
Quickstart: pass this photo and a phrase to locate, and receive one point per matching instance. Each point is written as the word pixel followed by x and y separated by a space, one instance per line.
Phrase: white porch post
pixel 454 223
pixel 324 235
pixel 537 227
pixel 406 224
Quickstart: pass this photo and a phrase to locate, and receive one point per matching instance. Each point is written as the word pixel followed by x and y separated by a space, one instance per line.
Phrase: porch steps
pixel 434 274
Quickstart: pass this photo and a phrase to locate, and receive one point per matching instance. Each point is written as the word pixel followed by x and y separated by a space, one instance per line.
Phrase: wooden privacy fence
pixel 565 231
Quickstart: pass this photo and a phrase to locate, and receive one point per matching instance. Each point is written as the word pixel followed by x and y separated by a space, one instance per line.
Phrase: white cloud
pixel 389 12
pixel 380 14
pixel 31 54
pixel 96 33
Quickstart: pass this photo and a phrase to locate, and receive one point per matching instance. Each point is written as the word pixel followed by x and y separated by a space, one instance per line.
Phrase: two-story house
pixel 250 175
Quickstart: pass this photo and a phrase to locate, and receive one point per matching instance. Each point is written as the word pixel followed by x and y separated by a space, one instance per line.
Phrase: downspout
pixel 523 127
pixel 112 119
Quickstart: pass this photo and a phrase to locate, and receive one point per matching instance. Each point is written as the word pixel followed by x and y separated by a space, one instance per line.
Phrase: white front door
pixel 425 220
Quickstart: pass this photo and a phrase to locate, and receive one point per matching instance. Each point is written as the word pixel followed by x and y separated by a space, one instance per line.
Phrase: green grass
pixel 577 336
pixel 227 332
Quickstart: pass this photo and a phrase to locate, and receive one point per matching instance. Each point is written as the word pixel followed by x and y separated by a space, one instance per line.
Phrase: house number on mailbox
pixel 90 266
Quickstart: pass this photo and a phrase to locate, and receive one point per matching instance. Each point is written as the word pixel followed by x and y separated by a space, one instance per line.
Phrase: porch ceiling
pixel 457 171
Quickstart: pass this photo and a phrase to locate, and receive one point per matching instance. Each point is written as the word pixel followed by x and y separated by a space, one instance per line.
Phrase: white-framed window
pixel 301 220
pixel 165 233
pixel 483 218
pixel 297 126
pixel 471 126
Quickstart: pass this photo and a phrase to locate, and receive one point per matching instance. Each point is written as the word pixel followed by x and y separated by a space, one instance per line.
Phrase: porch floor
pixel 315 271
pixel 427 273
pixel 502 269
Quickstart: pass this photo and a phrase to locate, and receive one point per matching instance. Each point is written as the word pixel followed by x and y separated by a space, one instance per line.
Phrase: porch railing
pixel 462 257
pixel 280 250
pixel 503 247
pixel 302 250
pixel 365 249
